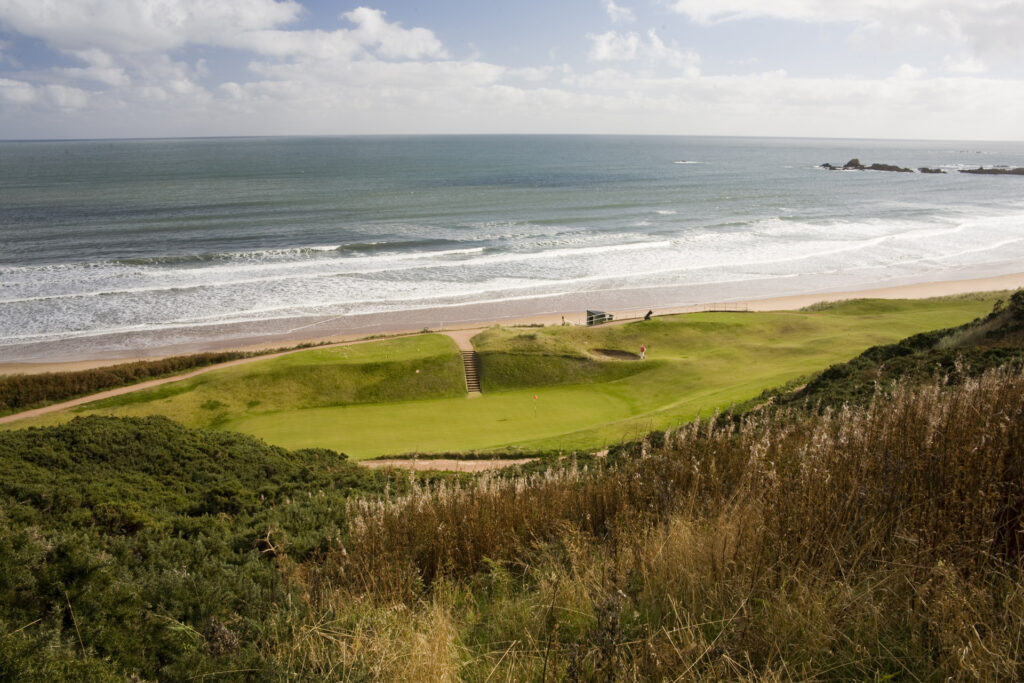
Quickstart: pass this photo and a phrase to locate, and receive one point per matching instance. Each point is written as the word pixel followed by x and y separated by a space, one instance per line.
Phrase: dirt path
pixel 462 337
pixel 444 464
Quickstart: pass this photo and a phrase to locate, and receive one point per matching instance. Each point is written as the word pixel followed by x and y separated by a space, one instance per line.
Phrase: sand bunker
pixel 617 354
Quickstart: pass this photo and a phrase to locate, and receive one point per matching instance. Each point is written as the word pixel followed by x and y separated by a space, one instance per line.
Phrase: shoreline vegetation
pixel 866 526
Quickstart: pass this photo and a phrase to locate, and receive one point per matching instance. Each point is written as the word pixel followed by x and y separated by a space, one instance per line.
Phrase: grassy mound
pixel 514 359
pixel 409 368
pixel 23 392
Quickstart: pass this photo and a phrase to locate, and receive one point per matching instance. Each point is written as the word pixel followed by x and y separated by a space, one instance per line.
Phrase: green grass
pixel 368 400
pixel 423 366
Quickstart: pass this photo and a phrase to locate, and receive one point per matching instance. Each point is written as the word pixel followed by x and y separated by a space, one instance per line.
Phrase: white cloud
pixel 987 26
pixel 142 25
pixel 628 47
pixel 614 47
pixel 124 47
pixel 372 36
pixel 385 76
pixel 709 11
pixel 111 76
pixel 152 93
pixel 473 97
pixel 965 64
pixel 88 27
pixel 66 97
pixel 391 40
pixel 617 13
pixel 17 92
pixel 329 45
pixel 530 74
pixel 907 71
pixel 371 75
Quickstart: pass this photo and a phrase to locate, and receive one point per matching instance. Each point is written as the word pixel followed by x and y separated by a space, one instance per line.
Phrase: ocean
pixel 133 247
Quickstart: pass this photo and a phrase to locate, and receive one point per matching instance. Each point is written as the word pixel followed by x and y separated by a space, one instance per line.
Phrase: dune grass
pixel 873 543
pixel 368 399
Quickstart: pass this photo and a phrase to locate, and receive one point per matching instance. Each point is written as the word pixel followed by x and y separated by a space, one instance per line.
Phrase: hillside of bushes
pixel 137 546
pixel 966 350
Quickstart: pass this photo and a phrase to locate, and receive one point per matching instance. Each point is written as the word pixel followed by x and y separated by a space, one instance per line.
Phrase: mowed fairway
pixel 406 395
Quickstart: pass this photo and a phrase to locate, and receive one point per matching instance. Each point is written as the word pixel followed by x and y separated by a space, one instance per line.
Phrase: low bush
pixel 136 547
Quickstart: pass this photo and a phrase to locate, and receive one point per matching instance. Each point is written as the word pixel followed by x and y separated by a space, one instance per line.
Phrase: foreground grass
pixel 369 400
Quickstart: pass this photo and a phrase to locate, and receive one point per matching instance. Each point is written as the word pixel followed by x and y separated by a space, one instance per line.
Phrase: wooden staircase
pixel 469 362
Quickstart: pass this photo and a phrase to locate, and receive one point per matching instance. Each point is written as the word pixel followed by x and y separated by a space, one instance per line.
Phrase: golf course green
pixel 566 388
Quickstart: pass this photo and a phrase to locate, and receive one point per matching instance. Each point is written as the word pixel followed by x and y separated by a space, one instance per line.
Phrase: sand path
pixel 462 337
pixel 445 464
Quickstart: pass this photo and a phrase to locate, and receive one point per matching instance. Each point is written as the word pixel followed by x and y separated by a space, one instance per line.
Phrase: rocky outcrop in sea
pixel 855 165
pixel 998 170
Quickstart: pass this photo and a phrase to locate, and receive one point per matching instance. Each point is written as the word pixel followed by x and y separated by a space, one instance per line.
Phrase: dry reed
pixel 862 543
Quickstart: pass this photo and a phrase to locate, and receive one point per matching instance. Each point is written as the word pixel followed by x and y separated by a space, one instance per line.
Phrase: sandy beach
pixel 399 324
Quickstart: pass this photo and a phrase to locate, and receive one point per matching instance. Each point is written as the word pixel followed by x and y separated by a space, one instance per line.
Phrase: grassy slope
pixel 696 363
pixel 429 367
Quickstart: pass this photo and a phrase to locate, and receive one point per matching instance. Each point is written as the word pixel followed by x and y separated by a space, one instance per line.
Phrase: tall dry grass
pixel 854 544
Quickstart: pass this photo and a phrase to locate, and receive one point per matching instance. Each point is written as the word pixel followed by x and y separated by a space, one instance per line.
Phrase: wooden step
pixel 469 364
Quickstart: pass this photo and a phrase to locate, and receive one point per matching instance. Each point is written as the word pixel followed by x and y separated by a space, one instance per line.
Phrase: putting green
pixel 369 400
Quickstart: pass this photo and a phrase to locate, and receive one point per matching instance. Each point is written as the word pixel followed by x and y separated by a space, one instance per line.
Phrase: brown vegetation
pixel 862 543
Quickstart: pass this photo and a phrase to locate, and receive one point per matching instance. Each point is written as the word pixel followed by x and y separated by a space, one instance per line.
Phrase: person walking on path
pixel 643 351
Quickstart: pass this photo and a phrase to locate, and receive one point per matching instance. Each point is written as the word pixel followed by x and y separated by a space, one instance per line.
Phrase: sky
pixel 910 69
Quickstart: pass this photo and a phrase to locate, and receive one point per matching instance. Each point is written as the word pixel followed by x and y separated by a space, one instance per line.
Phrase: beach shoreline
pixel 474 317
